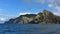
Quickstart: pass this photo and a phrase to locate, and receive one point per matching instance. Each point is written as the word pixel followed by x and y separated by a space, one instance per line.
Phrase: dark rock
pixel 45 17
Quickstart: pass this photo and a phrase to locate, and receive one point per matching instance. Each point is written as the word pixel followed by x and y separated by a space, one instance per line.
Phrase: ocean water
pixel 29 28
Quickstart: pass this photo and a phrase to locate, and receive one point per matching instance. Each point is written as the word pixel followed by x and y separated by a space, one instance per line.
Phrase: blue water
pixel 29 28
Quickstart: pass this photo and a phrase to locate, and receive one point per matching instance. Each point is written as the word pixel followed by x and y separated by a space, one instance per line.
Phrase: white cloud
pixel 58 2
pixel 55 7
pixel 55 4
pixel 58 9
pixel 2 19
pixel 22 14
pixel 50 5
pixel 55 13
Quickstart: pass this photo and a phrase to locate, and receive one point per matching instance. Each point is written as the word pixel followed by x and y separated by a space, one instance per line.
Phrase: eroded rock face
pixel 46 17
pixel 23 19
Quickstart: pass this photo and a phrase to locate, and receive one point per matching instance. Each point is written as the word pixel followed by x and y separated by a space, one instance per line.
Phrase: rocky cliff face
pixel 46 17
pixel 23 19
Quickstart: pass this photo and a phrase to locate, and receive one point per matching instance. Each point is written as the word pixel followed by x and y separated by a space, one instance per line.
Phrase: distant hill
pixel 45 17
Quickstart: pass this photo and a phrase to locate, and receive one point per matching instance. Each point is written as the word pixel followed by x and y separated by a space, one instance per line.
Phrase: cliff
pixel 45 17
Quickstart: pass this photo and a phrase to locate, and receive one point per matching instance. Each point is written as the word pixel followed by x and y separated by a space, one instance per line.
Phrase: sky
pixel 14 8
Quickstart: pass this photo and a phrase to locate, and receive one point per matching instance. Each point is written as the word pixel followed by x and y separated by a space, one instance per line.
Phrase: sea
pixel 29 28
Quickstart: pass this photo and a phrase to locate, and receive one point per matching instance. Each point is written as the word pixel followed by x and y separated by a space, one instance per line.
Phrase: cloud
pixel 55 7
pixel 50 5
pixel 2 19
pixel 22 14
pixel 55 4
pixel 55 13
pixel 58 2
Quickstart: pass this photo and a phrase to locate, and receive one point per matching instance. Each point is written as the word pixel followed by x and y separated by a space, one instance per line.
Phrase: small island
pixel 45 17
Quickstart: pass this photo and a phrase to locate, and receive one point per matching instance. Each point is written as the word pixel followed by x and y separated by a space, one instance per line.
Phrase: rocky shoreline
pixel 45 17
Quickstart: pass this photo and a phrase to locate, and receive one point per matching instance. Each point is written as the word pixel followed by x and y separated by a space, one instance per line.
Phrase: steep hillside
pixel 45 17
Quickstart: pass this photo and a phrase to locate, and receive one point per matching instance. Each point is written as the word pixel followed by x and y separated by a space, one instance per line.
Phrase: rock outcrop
pixel 45 17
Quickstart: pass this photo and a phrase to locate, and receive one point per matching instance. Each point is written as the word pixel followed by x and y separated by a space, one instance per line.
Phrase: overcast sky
pixel 13 8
